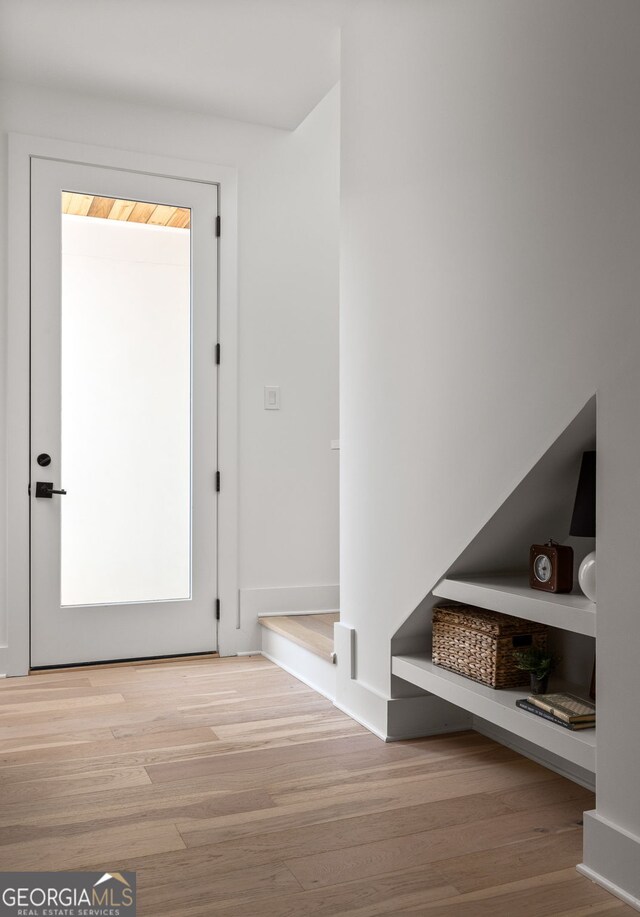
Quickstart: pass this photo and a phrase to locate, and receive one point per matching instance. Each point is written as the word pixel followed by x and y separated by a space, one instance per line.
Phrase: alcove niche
pixel 492 572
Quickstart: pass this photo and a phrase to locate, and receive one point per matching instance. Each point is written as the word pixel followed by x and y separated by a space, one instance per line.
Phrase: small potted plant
pixel 539 663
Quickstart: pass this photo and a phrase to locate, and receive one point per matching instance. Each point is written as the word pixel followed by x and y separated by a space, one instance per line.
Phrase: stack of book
pixel 563 709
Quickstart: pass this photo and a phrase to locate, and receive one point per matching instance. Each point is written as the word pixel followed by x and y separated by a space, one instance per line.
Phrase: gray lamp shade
pixel 583 522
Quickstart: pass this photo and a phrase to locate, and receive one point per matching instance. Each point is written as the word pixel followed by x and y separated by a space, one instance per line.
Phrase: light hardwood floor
pixel 234 790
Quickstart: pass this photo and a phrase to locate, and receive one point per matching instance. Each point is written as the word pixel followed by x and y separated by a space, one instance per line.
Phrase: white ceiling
pixel 266 61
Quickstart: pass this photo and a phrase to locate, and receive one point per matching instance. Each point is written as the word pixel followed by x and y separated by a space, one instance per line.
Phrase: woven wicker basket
pixel 480 644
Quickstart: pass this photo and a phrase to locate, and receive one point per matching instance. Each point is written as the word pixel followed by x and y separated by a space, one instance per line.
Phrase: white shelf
pixel 498 707
pixel 512 595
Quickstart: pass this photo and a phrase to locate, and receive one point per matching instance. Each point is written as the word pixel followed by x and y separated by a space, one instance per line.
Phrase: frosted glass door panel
pixel 126 409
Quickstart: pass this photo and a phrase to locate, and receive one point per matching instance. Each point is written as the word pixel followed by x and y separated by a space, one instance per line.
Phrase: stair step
pixel 313 632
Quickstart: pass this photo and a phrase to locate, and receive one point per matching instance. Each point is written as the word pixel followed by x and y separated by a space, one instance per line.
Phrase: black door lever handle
pixel 45 489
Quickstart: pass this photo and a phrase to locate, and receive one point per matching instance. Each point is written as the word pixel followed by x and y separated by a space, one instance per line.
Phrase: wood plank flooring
pixel 234 790
pixel 313 632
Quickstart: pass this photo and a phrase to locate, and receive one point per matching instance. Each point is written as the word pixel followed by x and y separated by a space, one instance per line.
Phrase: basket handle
pixel 522 640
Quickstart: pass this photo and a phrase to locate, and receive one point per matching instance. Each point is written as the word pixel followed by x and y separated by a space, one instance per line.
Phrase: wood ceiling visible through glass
pixel 110 208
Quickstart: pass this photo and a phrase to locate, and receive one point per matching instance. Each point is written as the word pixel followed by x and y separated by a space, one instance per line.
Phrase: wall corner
pixel 611 858
pixel 390 718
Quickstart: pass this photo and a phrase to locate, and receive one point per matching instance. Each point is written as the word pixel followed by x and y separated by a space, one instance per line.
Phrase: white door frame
pixel 14 647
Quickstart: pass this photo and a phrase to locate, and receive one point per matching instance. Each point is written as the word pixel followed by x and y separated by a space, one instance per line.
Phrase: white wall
pixel 490 277
pixel 289 337
pixel 288 291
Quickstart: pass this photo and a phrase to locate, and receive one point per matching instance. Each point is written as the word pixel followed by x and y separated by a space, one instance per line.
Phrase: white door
pixel 123 415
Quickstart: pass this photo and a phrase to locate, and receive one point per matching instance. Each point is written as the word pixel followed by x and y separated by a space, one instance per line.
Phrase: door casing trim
pixel 14 644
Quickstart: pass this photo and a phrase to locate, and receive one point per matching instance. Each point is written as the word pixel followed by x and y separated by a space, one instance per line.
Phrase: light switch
pixel 272 397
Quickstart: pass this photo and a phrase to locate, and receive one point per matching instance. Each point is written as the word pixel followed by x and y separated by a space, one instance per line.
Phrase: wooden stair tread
pixel 313 632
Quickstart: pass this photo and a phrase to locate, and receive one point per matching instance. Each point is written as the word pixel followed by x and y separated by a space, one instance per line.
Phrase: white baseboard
pixel 406 717
pixel 608 886
pixel 423 715
pixel 293 614
pixel 612 858
pixel 359 701
pixel 535 753
pixel 391 719
pixel 289 600
pixel 312 670
pixel 361 720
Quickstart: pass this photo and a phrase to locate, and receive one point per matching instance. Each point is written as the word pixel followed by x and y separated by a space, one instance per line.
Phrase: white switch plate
pixel 335 443
pixel 272 397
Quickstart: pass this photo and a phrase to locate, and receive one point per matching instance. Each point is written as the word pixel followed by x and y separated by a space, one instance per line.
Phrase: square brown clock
pixel 551 567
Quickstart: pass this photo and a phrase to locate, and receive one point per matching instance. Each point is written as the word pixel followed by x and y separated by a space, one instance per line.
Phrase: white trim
pixel 400 711
pixel 406 707
pixel 390 718
pixel 14 655
pixel 611 858
pixel 293 614
pixel 363 722
pixel 608 886
pixel 255 603
pixel 312 670
pixel 364 704
pixel 421 715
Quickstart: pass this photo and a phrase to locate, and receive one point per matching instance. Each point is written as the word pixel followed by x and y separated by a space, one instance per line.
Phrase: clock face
pixel 542 568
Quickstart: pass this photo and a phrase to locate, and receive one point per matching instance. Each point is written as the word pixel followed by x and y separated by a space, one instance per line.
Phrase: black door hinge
pixel 217 609
pixel 217 354
pixel 218 223
pixel 217 482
